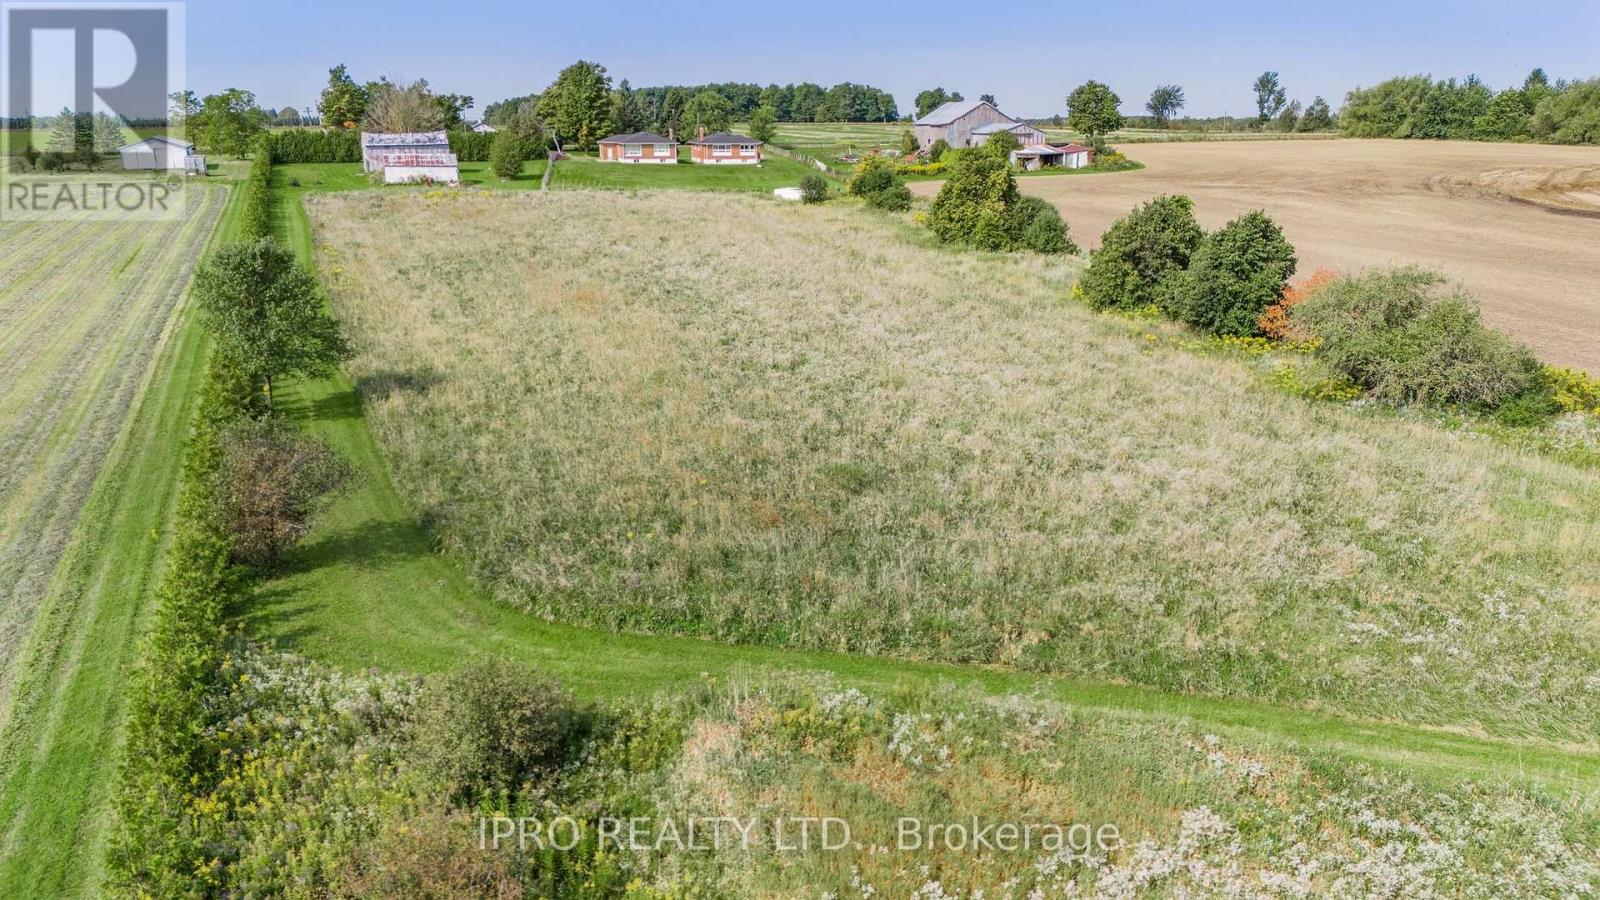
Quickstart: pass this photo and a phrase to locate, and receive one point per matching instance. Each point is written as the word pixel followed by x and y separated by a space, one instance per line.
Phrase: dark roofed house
pixel 725 148
pixel 639 147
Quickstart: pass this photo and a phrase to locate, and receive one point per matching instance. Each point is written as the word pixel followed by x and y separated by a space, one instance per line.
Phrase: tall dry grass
pixel 756 422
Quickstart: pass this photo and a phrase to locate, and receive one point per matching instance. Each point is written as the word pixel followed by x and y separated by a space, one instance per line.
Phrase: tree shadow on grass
pixel 382 385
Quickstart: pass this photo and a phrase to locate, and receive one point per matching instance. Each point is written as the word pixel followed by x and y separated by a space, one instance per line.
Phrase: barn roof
pixel 158 137
pixel 638 137
pixel 945 113
pixel 404 139
pixel 997 127
pixel 725 137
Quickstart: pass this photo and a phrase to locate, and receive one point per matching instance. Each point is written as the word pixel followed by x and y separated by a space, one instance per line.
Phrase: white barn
pixel 162 152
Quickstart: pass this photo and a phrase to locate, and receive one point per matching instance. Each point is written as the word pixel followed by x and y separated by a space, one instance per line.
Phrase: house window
pixel 663 149
pixel 721 149
pixel 747 149
pixel 632 150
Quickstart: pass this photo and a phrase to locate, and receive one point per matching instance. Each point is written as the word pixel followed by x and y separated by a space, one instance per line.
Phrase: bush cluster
pixel 813 188
pixel 874 181
pixel 980 206
pixel 1233 276
pixel 1397 337
pixel 269 482
pixel 1138 251
pixel 490 727
pixel 927 168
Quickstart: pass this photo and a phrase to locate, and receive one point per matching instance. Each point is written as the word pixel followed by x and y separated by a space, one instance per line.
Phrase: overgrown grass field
pixel 827 434
pixel 589 172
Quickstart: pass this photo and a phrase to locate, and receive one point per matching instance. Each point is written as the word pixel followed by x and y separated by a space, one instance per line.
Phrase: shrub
pixel 1154 240
pixel 429 854
pixel 813 188
pixel 1275 324
pixel 1000 144
pixel 1234 275
pixel 270 482
pixel 874 181
pixel 492 726
pixel 908 142
pixel 928 168
pixel 1573 391
pixel 506 156
pixel 1040 228
pixel 974 206
pixel 255 216
pixel 938 149
pixel 1391 334
pixel 1112 161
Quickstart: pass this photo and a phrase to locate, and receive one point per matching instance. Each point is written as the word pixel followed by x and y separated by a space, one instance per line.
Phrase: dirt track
pixel 1459 208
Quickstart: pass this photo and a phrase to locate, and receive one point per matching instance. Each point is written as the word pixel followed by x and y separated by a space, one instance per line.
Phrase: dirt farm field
pixel 1357 204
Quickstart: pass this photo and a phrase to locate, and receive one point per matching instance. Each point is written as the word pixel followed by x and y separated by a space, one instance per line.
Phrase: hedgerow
pixel 255 216
pixel 159 848
pixel 301 145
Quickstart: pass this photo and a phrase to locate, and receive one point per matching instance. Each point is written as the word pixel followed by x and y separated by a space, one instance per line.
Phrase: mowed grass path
pixel 368 589
pixel 99 390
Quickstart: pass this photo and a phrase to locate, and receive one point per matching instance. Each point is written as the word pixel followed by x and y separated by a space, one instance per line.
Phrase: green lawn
pixel 589 172
pixel 62 735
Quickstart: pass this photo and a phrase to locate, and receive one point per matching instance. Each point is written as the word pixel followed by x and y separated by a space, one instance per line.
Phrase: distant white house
pixel 162 152
pixel 484 128
pixel 410 157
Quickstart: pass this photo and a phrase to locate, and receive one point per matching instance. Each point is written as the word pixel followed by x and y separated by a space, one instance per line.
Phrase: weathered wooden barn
pixel 376 146
pixel 954 122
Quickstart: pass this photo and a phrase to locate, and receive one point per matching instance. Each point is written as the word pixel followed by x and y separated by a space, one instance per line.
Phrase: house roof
pixel 945 113
pixel 725 137
pixel 404 139
pixel 638 137
pixel 158 137
pixel 997 127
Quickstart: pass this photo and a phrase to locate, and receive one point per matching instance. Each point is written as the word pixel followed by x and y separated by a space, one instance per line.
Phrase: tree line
pixel 1419 107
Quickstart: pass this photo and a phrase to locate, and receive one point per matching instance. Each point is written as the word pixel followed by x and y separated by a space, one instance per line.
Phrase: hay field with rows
pixel 83 309
pixel 732 418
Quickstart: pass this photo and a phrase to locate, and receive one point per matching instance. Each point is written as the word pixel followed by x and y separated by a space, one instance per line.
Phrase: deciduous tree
pixel 764 124
pixel 708 110
pixel 1271 98
pixel 343 103
pixel 1164 101
pixel 266 312
pixel 1095 111
pixel 576 108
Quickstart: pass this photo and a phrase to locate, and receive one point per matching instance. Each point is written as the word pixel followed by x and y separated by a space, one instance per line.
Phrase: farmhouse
pixel 723 148
pixel 639 147
pixel 484 128
pixel 162 152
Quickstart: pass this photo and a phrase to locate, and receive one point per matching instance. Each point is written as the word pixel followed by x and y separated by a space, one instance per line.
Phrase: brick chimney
pixel 672 135
pixel 700 135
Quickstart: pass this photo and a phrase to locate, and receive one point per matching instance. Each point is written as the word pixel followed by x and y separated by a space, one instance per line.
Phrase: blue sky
pixel 1029 55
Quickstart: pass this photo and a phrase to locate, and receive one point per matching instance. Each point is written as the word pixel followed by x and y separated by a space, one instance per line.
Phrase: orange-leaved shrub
pixel 1275 322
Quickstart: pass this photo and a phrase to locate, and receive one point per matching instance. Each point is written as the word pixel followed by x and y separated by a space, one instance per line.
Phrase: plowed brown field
pixel 1517 225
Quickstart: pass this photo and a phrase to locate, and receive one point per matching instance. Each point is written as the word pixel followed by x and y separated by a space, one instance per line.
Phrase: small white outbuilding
pixel 162 152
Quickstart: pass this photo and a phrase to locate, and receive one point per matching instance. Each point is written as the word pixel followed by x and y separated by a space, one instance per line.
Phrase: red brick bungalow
pixel 639 147
pixel 725 149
